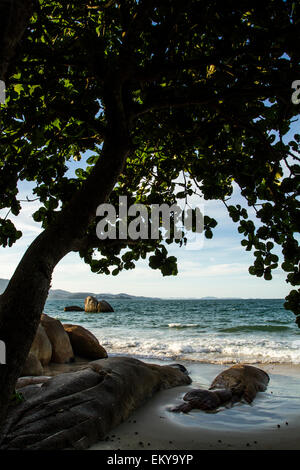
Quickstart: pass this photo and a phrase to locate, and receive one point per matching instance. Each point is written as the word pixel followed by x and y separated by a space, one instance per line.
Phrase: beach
pixel 206 336
pixel 272 422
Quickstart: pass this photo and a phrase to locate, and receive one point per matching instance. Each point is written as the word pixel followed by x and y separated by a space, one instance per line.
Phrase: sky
pixel 219 268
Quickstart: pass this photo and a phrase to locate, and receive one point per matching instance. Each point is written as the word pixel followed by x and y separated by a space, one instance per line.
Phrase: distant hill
pixel 59 294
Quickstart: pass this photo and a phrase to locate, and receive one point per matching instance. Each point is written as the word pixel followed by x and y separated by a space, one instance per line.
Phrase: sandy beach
pixel 272 422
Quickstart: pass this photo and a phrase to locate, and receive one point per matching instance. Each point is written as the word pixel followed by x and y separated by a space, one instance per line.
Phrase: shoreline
pixel 272 422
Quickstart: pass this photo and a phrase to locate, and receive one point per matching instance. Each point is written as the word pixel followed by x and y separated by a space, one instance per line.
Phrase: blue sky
pixel 219 268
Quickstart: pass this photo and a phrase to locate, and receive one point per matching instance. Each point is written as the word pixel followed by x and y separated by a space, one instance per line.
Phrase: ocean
pixel 220 331
pixel 207 336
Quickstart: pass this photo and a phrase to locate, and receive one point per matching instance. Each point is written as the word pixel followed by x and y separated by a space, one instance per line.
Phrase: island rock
pixel 92 305
pixel 74 308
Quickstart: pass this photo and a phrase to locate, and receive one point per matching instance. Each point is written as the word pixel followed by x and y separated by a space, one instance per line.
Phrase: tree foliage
pixel 206 95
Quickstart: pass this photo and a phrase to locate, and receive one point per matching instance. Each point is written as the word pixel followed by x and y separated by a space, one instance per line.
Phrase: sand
pixel 272 422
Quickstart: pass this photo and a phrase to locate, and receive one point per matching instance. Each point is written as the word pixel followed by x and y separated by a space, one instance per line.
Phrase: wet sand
pixel 272 422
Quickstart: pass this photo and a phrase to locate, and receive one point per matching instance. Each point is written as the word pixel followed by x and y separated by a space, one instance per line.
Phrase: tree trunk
pixel 23 300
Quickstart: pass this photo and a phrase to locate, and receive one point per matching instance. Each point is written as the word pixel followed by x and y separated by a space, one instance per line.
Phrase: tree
pixel 153 90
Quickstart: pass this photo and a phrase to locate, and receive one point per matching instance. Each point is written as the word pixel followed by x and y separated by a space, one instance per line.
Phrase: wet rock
pixel 76 409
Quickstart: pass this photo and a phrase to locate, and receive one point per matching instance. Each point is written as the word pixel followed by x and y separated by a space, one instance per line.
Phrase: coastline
pixel 272 422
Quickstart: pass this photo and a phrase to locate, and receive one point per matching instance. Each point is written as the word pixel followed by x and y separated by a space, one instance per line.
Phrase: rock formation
pixel 32 366
pixel 76 409
pixel 41 347
pixel 92 305
pixel 84 343
pixel 73 308
pixel 62 351
pixel 57 343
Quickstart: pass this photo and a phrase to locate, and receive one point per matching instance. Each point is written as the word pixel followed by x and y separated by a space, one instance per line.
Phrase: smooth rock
pixel 32 366
pixel 41 347
pixel 84 343
pixel 91 305
pixel 73 308
pixel 62 351
pixel 104 306
pixel 76 409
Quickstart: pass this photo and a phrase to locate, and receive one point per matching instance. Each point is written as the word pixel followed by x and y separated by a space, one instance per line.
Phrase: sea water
pixel 210 331
pixel 206 336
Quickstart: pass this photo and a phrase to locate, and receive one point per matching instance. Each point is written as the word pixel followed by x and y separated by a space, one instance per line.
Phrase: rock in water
pixel 84 343
pixel 244 381
pixel 104 306
pixel 73 308
pixel 91 305
pixel 62 351
pixel 236 383
pixel 76 409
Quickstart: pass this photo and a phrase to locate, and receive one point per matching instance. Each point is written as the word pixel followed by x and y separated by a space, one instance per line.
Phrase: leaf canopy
pixel 206 94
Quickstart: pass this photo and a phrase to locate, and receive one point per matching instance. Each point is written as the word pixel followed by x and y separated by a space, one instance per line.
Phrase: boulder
pixel 62 351
pixel 84 343
pixel 104 306
pixel 32 366
pixel 41 347
pixel 74 308
pixel 76 409
pixel 91 305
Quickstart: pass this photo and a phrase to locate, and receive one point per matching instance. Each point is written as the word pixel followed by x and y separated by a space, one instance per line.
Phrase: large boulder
pixel 91 305
pixel 41 347
pixel 62 351
pixel 32 366
pixel 104 306
pixel 84 343
pixel 77 409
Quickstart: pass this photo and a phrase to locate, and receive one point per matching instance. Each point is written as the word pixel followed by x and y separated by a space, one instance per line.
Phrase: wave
pixel 249 328
pixel 209 350
pixel 182 325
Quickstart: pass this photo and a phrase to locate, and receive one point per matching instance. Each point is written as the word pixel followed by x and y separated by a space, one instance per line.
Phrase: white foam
pixel 202 348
